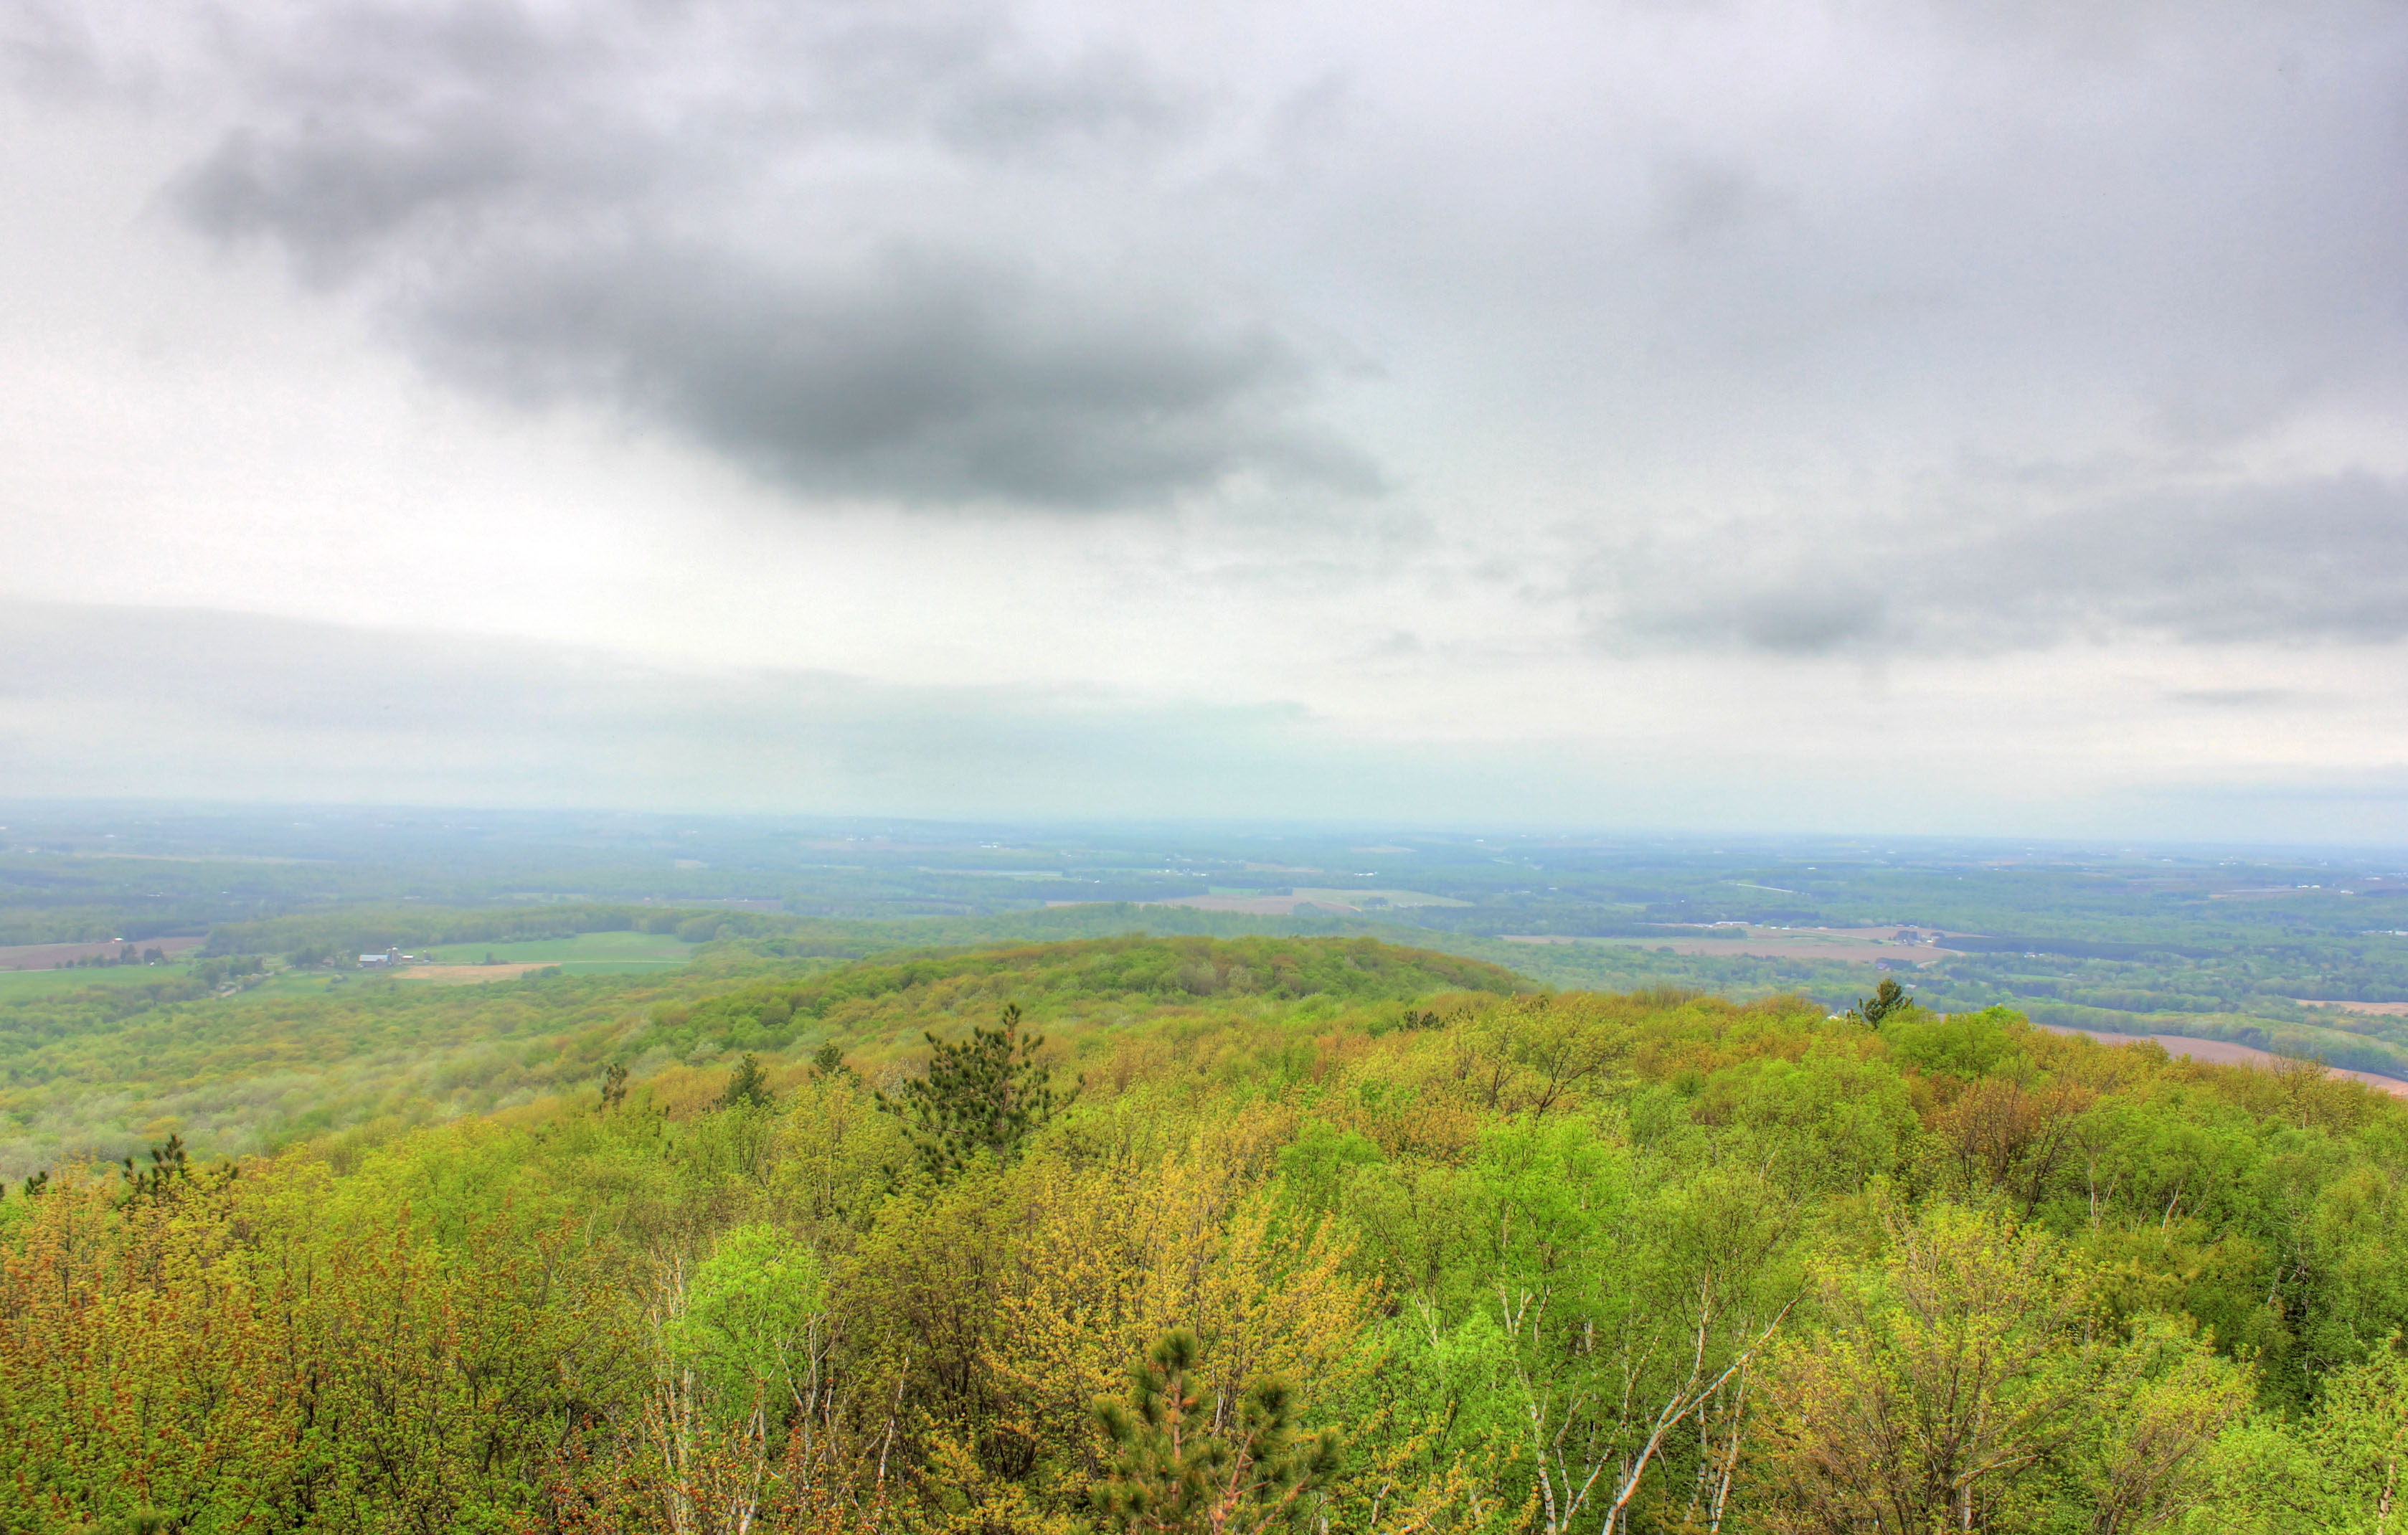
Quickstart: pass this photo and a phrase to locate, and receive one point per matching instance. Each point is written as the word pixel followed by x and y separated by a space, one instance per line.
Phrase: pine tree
pixel 614 1085
pixel 1173 1471
pixel 988 1093
pixel 1887 997
pixel 748 1086
pixel 167 1163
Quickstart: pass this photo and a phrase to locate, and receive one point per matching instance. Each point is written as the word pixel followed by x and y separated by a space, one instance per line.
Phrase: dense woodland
pixel 1273 1235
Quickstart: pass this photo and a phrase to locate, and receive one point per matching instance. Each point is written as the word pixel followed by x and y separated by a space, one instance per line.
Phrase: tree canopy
pixel 1398 1260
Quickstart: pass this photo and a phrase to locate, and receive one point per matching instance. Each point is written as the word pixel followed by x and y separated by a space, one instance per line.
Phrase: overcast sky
pixel 1867 416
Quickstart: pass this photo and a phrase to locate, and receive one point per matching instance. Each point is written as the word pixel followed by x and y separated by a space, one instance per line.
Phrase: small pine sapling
pixel 1172 1471
pixel 167 1165
pixel 748 1086
pixel 1887 997
pixel 988 1093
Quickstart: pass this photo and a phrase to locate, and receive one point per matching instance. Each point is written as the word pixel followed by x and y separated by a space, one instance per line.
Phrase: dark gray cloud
pixel 901 250
pixel 2314 560
pixel 931 377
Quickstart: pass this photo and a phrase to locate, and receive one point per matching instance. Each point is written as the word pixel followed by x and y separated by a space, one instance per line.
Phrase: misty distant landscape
pixel 140 921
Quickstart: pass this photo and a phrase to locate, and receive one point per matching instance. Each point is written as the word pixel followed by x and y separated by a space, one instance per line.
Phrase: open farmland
pixel 1857 946
pixel 45 956
pixel 585 954
pixel 469 975
pixel 19 985
pixel 1346 902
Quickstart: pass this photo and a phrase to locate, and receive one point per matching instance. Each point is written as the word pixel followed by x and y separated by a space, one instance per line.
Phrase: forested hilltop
pixel 1272 1234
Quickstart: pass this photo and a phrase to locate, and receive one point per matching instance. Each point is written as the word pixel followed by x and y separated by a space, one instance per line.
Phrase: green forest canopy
pixel 1517 1261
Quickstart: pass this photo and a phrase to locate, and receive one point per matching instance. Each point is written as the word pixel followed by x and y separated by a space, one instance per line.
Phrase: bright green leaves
pixel 1537 1253
pixel 1319 1166
pixel 1550 1198
pixel 1965 1384
pixel 1964 1044
pixel 1827 1123
pixel 754 1311
pixel 2359 1439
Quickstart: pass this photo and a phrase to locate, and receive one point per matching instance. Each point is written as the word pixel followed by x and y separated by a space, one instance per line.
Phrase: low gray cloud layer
pixel 2322 559
pixel 99 700
pixel 191 703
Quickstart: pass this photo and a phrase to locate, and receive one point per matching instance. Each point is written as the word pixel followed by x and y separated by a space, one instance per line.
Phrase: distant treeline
pixel 127 955
pixel 371 929
pixel 2078 948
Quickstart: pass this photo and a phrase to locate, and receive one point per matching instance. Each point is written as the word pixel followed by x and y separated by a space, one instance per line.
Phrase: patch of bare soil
pixel 2381 1009
pixel 469 975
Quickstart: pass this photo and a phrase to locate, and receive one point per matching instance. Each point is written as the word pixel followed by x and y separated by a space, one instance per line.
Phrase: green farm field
pixel 586 953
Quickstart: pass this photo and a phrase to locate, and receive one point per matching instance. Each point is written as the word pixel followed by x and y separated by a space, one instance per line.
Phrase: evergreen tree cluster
pixel 982 1096
pixel 1176 1468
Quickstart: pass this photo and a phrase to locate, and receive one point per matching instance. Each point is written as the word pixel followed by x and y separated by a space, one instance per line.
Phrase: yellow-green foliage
pixel 1105 981
pixel 313 1052
pixel 1543 1262
pixel 247 1072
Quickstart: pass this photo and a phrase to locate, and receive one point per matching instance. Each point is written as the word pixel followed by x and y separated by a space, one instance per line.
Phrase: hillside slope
pixel 1427 1252
pixel 95 1073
